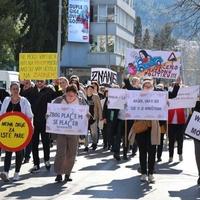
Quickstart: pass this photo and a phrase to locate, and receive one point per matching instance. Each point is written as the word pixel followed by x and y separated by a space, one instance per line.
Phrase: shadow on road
pixel 118 189
pixel 192 193
pixel 48 190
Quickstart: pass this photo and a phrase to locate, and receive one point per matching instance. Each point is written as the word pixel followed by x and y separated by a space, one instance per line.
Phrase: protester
pixel 39 97
pixel 3 95
pixel 66 144
pixel 197 144
pixel 147 139
pixel 26 85
pixel 110 124
pixel 19 104
pixel 176 125
pixel 95 110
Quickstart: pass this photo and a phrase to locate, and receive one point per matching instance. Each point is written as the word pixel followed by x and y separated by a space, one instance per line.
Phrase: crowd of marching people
pixel 146 137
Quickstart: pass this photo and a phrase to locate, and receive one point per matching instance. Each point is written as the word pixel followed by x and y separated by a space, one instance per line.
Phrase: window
pixel 102 13
pixel 98 43
pixel 94 13
pixel 111 13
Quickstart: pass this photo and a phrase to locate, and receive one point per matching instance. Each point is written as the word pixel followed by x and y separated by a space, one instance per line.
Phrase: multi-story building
pixel 111 32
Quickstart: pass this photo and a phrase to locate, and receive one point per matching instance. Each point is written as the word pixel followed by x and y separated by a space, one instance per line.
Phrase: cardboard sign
pixel 116 98
pixel 157 64
pixel 38 66
pixel 67 119
pixel 103 76
pixel 15 131
pixel 143 105
pixel 186 98
pixel 193 127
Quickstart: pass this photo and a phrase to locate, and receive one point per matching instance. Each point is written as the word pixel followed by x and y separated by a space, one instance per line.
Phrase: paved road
pixel 97 175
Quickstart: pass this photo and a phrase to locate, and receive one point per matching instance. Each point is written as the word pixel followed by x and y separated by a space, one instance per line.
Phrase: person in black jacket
pixel 197 145
pixel 39 97
pixel 3 95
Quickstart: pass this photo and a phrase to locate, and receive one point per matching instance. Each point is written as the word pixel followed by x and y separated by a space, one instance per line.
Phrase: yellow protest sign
pixel 15 131
pixel 38 66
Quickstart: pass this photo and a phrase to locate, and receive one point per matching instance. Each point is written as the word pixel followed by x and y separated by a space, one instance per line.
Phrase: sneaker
pixel 67 178
pixel 26 160
pixel 4 176
pixel 86 149
pixel 151 178
pixel 117 157
pixel 47 165
pixel 159 160
pixel 170 159
pixel 35 169
pixel 180 157
pixel 16 176
pixel 143 177
pixel 94 147
pixel 58 178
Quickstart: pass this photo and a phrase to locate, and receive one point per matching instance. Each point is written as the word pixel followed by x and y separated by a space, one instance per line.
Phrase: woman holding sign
pixel 18 104
pixel 66 144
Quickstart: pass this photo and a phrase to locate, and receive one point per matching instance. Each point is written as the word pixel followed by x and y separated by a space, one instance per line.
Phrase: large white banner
pixel 116 98
pixel 157 64
pixel 67 119
pixel 193 127
pixel 186 98
pixel 103 76
pixel 145 105
pixel 78 20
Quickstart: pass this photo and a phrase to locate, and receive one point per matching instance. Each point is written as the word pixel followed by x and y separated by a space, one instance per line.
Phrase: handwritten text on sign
pixel 15 131
pixel 103 76
pixel 38 66
pixel 116 98
pixel 67 119
pixel 186 98
pixel 193 128
pixel 145 105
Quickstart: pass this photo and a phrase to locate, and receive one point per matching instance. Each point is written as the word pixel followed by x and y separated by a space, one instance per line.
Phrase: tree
pixel 164 40
pixel 138 32
pixel 188 13
pixel 156 41
pixel 146 42
pixel 42 25
pixel 9 26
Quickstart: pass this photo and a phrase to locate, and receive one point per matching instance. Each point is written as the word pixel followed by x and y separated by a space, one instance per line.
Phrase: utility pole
pixel 59 34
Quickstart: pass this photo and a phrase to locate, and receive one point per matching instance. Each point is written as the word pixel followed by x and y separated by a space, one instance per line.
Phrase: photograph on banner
pixel 157 64
pixel 193 127
pixel 116 98
pixel 38 66
pixel 146 105
pixel 67 119
pixel 186 98
pixel 78 20
pixel 104 76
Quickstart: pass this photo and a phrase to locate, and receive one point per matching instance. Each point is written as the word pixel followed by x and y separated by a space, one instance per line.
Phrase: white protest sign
pixel 116 98
pixel 68 119
pixel 103 76
pixel 193 127
pixel 186 98
pixel 143 105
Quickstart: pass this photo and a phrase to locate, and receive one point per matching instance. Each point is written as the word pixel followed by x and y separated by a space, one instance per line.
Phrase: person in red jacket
pixel 176 124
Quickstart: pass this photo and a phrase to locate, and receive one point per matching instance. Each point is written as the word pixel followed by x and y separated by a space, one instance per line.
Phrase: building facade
pixel 111 32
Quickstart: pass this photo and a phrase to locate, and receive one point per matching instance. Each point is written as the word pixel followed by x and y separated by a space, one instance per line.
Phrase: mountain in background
pixel 156 13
